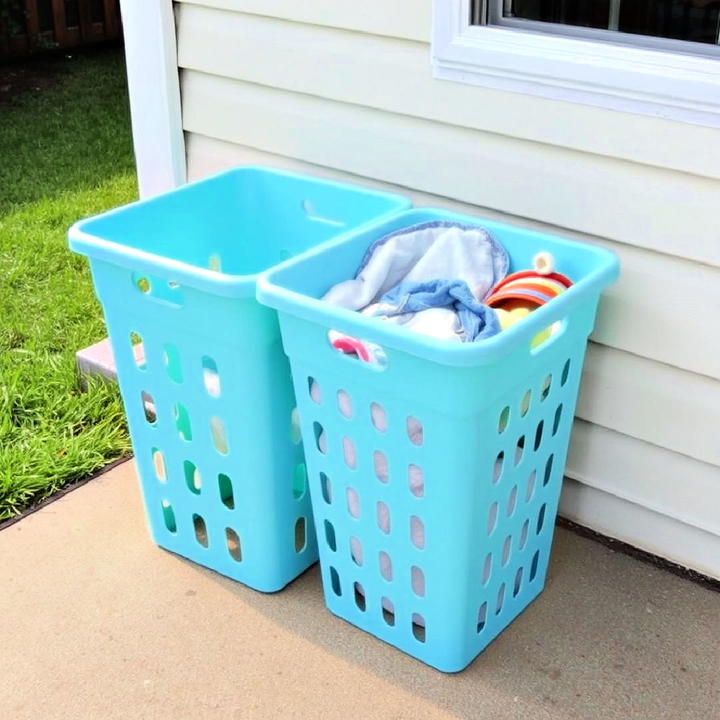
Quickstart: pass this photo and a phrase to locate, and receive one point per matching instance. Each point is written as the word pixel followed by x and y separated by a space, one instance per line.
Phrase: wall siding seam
pixel 189 60
pixel 639 501
pixel 434 135
pixel 388 30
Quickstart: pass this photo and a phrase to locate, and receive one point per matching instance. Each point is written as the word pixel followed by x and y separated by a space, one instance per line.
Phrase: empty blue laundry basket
pixel 204 381
pixel 435 476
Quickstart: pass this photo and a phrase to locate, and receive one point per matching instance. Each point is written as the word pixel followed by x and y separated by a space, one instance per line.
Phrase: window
pixel 657 57
pixel 691 26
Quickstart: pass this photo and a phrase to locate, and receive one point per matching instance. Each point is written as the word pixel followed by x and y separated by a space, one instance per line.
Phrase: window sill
pixel 673 86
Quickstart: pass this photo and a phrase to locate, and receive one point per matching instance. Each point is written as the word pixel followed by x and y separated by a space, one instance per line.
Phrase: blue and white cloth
pixel 431 278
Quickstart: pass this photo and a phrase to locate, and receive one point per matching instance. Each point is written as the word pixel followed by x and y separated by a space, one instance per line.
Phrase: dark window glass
pixel 586 13
pixel 694 20
pixel 690 20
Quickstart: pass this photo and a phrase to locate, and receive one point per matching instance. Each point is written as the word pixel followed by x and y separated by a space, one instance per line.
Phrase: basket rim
pixel 272 291
pixel 83 240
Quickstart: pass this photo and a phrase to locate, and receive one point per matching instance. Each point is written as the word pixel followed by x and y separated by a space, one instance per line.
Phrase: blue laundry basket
pixel 441 550
pixel 204 381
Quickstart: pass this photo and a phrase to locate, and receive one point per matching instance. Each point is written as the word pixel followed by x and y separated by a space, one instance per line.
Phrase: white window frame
pixel 621 77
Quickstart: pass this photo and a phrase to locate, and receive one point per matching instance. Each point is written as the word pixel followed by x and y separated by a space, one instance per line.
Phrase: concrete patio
pixel 101 624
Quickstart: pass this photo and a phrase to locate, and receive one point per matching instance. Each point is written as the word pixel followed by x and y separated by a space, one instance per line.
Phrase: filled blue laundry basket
pixel 443 548
pixel 205 383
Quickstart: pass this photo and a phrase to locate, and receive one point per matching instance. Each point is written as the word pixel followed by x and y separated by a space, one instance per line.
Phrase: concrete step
pixel 98 359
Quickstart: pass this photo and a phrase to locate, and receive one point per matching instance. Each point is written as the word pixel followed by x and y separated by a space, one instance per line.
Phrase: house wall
pixel 344 89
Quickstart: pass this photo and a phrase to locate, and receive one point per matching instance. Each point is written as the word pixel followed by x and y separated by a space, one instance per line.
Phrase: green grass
pixel 66 152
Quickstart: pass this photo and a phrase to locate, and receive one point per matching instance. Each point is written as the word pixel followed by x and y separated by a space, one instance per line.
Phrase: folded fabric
pixel 430 277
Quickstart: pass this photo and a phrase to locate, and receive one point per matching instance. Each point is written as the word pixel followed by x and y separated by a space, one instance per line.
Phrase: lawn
pixel 66 153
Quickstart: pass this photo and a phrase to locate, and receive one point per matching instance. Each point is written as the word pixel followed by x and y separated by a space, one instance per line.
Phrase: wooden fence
pixel 30 25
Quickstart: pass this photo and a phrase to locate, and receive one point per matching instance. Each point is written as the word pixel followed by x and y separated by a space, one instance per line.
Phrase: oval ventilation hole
pixel 300 534
pixel 158 462
pixel 500 599
pixel 359 592
pixel 538 435
pixel 507 545
pixel 295 430
pixel 344 404
pixel 299 483
pixel 385 563
pixel 353 502
pixel 414 430
pixel 335 582
pixel 233 544
pixel 168 516
pixel 388 611
pixel 219 437
pixel 541 519
pixel 565 373
pixel 525 403
pixel 142 283
pixel 383 517
pixel 534 565
pixel 171 360
pixel 545 388
pixel 530 486
pixel 380 465
pixel 418 627
pixel 378 417
pixel 482 617
pixel 349 453
pixel 524 534
pixel 512 501
pixel 148 405
pixel 314 390
pixel 519 450
pixel 417 532
pixel 192 477
pixel 211 376
pixel 518 582
pixel 226 491
pixel 498 467
pixel 548 470
pixel 356 551
pixel 138 350
pixel 492 518
pixel 182 422
pixel 416 480
pixel 201 534
pixel 330 535
pixel 325 488
pixel 504 419
pixel 320 438
pixel 556 421
pixel 487 567
pixel 417 578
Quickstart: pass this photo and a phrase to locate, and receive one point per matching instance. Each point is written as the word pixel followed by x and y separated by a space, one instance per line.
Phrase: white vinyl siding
pixel 344 89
